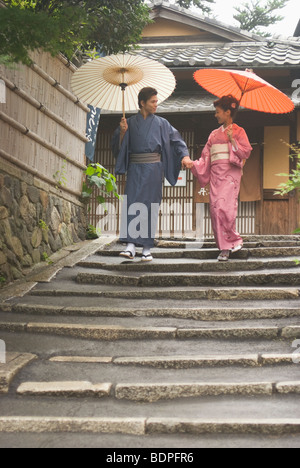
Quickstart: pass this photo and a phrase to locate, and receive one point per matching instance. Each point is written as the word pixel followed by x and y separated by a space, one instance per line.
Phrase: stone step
pixel 113 332
pixel 71 389
pixel 205 254
pixel 189 244
pixel 189 362
pixel 271 278
pixel 150 393
pixel 213 294
pixel 210 368
pixel 252 238
pixel 204 313
pixel 48 345
pixel 198 426
pixel 141 426
pixel 14 362
pixel 189 266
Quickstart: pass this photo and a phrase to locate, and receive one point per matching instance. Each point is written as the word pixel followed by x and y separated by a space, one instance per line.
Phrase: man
pixel 148 148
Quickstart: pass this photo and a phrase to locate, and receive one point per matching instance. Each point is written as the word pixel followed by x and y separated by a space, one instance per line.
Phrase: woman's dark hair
pixel 146 94
pixel 228 103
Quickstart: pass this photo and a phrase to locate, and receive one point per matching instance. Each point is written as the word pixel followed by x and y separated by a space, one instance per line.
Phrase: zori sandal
pixel 147 258
pixel 224 256
pixel 127 254
pixel 237 248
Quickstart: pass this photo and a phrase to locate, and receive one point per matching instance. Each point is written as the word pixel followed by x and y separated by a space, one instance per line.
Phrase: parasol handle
pixel 123 88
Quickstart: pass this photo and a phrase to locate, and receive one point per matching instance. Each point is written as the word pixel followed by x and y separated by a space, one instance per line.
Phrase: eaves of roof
pixel 163 9
pixel 235 54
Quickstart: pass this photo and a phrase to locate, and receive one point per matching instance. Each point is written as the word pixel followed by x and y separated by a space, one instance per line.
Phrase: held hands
pixel 187 163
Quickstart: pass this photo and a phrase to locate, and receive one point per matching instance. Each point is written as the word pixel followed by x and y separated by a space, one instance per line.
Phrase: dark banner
pixel 93 119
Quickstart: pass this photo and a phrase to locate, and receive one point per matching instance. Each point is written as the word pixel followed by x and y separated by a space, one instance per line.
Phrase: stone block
pixel 6 197
pixel 3 258
pixel 33 194
pixel 55 220
pixel 36 238
pixel 44 197
pixel 3 212
pixel 65 235
pixel 36 256
pixel 17 247
pixel 69 389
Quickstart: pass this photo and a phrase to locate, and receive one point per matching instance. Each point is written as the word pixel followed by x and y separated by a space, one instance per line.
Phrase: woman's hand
pixel 229 133
pixel 187 163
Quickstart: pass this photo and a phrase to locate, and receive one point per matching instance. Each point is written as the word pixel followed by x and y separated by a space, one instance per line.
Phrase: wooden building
pixel 185 42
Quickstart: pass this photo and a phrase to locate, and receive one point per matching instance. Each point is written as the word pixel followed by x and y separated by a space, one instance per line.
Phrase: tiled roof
pixel 185 102
pixel 195 102
pixel 235 54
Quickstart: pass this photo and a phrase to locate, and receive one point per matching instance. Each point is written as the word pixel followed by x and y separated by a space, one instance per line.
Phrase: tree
pixel 68 26
pixel 197 3
pixel 259 14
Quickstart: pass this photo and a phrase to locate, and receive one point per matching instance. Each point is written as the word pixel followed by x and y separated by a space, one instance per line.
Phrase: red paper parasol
pixel 252 91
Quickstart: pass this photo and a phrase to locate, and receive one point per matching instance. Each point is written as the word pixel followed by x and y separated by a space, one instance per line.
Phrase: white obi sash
pixel 220 151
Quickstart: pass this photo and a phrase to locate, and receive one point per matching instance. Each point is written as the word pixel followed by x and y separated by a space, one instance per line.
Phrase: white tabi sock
pixel 146 251
pixel 131 248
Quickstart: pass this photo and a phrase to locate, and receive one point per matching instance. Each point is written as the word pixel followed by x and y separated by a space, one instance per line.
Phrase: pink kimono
pixel 221 165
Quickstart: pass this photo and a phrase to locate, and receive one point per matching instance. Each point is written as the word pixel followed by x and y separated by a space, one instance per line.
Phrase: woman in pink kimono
pixel 221 165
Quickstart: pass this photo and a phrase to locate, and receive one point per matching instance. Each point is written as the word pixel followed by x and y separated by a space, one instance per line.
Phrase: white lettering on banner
pixel 2 92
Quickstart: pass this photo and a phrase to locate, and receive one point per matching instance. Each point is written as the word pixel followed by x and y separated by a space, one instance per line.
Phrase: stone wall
pixel 36 220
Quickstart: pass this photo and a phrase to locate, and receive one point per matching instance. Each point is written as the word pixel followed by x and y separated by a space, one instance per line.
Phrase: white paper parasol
pixel 114 82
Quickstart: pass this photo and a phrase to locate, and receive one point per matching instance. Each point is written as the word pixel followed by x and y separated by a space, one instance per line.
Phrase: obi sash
pixel 145 158
pixel 219 151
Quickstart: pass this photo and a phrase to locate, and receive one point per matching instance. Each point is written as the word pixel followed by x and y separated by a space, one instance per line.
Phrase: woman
pixel 221 165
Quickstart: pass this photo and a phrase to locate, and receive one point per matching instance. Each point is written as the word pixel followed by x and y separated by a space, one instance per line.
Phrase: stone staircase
pixel 182 352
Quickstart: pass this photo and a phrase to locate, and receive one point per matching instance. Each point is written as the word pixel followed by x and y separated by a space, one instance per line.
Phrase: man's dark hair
pixel 146 94
pixel 228 103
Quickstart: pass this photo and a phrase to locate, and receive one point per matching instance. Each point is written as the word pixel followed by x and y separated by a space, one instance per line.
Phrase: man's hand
pixel 187 163
pixel 123 126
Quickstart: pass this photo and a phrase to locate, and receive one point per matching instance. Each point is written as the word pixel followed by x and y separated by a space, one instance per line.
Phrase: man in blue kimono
pixel 148 149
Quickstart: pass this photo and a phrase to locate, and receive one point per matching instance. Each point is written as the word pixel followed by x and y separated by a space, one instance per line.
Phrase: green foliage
pixel 2 280
pixel 100 179
pixel 60 177
pixel 45 258
pixel 197 3
pixel 24 29
pixel 74 26
pixel 68 26
pixel 294 178
pixel 43 225
pixel 258 13
pixel 92 232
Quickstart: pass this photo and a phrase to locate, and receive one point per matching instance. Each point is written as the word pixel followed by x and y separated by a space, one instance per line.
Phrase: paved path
pixel 183 352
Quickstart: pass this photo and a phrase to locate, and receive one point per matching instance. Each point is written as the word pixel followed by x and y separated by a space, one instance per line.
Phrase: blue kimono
pixel 143 193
